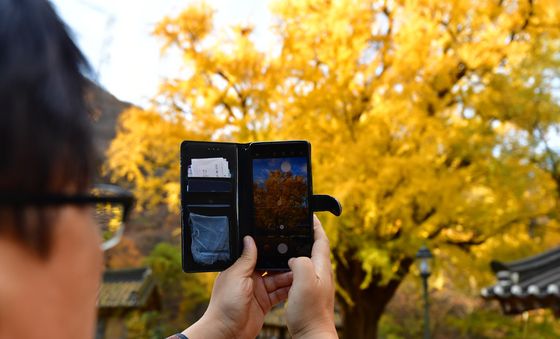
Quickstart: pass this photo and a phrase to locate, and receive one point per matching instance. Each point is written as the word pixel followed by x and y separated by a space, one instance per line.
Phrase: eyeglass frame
pixel 120 196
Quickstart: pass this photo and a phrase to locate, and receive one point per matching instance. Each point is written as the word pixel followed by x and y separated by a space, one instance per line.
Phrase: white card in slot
pixel 209 168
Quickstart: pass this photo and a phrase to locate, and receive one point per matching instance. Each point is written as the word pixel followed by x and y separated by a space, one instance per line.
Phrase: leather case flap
pixel 325 203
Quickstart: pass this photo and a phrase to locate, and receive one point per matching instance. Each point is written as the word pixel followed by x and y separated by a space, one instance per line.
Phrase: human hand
pixel 310 307
pixel 240 299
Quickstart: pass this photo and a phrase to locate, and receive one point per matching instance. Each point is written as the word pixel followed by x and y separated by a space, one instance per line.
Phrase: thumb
pixel 245 265
pixel 303 270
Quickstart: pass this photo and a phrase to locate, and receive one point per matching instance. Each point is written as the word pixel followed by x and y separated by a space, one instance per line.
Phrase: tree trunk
pixel 361 320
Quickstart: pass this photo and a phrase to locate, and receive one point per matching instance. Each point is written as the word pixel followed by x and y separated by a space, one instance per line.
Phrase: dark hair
pixel 45 134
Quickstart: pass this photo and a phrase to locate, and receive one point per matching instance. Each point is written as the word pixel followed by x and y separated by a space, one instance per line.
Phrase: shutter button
pixel 282 248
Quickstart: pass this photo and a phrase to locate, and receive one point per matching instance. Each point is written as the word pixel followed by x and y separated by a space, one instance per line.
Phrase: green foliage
pixel 455 313
pixel 144 325
pixel 492 324
pixel 391 329
pixel 181 293
pixel 165 262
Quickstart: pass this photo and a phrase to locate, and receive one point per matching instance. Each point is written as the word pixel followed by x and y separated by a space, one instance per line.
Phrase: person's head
pixel 50 258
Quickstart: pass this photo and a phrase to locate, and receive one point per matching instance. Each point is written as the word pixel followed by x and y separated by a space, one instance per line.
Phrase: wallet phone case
pixel 216 209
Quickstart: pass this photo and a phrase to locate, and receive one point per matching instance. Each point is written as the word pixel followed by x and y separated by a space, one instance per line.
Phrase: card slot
pixel 210 178
pixel 199 151
pixel 208 198
pixel 208 205
pixel 206 184
pixel 215 166
pixel 210 209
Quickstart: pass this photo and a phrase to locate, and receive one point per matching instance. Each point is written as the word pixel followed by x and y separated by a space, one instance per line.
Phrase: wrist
pixel 317 334
pixel 325 329
pixel 208 327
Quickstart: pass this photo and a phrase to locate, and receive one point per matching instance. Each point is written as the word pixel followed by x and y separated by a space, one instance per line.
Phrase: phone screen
pixel 280 196
pixel 282 222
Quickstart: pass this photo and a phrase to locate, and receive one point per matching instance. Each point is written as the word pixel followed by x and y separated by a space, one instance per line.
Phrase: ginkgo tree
pixel 429 121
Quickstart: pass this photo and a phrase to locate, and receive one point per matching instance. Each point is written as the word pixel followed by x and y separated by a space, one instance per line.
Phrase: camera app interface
pixel 280 197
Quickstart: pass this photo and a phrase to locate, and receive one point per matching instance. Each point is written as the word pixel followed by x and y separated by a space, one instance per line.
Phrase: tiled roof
pixel 527 284
pixel 126 288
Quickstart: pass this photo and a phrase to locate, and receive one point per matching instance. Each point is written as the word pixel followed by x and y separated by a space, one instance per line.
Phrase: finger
pixel 245 265
pixel 318 231
pixel 320 253
pixel 279 295
pixel 303 270
pixel 277 281
pixel 260 293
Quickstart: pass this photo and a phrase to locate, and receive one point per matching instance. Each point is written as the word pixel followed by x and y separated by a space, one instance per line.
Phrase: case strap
pixel 326 203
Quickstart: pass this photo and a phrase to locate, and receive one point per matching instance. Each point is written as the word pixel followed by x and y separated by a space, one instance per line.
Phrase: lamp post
pixel 425 256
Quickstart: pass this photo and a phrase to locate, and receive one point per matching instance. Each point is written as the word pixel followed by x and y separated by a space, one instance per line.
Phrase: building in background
pixel 122 292
pixel 527 284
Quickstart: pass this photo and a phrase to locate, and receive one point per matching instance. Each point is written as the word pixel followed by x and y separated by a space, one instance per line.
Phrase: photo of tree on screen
pixel 280 195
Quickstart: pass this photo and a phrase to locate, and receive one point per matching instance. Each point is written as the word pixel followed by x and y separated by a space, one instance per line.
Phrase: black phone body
pixel 224 197
pixel 281 214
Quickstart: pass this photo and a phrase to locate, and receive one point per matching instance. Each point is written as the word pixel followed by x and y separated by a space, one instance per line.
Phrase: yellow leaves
pixel 375 260
pixel 371 217
pixel 547 14
pixel 173 190
pixel 480 194
pixel 188 28
pixel 438 281
pixel 419 113
pixel 146 152
pixel 226 90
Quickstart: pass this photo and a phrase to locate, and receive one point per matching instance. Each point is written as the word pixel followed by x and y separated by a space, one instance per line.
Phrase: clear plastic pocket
pixel 209 236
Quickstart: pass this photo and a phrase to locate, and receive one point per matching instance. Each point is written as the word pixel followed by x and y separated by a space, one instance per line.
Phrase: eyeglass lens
pixel 110 219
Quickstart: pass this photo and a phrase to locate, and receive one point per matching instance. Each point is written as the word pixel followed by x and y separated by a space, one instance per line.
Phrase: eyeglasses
pixel 111 207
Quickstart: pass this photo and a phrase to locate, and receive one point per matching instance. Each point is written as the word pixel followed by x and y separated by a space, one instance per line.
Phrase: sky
pixel 263 167
pixel 115 37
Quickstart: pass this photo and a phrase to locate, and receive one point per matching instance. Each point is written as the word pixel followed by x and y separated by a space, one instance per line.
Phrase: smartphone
pixel 282 219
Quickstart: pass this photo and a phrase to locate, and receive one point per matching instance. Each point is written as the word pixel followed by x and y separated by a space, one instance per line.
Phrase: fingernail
pixel 290 261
